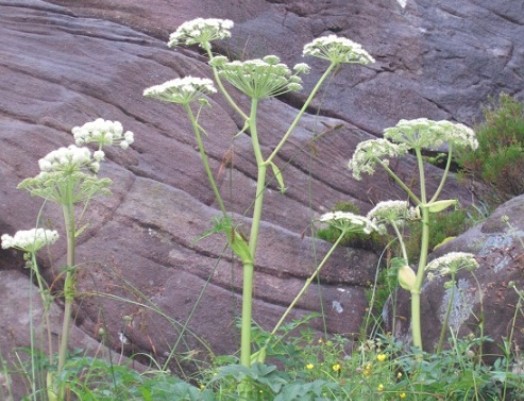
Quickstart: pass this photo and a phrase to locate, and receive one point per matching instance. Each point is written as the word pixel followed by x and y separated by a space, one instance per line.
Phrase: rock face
pixel 64 63
pixel 487 301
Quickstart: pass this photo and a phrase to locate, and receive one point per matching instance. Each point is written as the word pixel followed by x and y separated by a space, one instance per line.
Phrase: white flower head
pixel 68 160
pixel 369 153
pixel 348 221
pixel 260 78
pixel 103 133
pixel 391 212
pixel 29 240
pixel 452 262
pixel 428 134
pixel 338 50
pixel 201 31
pixel 181 90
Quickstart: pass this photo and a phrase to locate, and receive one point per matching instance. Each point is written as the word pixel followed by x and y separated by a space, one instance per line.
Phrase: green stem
pixel 444 176
pixel 301 112
pixel 415 293
pixel 69 284
pixel 248 268
pixel 305 287
pixel 203 156
pixel 395 177
pixel 445 323
pixel 424 248
pixel 401 242
pixel 223 90
pixel 44 295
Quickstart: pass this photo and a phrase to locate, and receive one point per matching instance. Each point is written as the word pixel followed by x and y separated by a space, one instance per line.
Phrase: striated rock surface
pixel 64 63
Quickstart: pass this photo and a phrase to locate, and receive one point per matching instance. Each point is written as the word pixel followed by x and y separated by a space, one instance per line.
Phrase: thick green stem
pixel 248 269
pixel 203 156
pixel 301 112
pixel 415 293
pixel 424 248
pixel 69 284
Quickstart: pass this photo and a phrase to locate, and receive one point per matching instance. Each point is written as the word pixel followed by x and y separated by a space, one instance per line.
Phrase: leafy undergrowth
pixel 310 368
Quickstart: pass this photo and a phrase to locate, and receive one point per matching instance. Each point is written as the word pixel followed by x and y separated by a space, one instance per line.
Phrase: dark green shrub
pixel 499 160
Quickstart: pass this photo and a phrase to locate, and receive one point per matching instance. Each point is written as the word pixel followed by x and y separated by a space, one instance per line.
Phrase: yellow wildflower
pixel 310 366
pixel 380 387
pixel 336 367
pixel 402 395
pixel 381 357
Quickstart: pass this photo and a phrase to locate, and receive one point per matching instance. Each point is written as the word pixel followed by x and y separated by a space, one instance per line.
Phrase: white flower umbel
pixel 69 160
pixel 104 133
pixel 201 31
pixel 422 133
pixel 181 90
pixel 260 78
pixel 452 262
pixel 392 211
pixel 369 153
pixel 29 240
pixel 348 221
pixel 338 50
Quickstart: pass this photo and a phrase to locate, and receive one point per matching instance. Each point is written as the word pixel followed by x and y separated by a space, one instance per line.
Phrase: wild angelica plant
pixel 258 79
pixel 68 177
pixel 412 135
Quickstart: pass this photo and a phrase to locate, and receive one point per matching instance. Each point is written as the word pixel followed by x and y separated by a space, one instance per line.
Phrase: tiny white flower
pixel 338 50
pixel 29 240
pixel 99 155
pixel 181 90
pixel 201 31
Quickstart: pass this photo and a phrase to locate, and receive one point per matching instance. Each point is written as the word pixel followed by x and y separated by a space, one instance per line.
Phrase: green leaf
pixel 278 175
pixel 439 206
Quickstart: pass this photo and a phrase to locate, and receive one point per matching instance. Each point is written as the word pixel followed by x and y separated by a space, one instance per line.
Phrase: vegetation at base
pixel 499 159
pixel 306 366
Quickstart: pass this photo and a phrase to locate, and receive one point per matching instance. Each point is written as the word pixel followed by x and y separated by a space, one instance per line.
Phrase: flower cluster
pixel 201 31
pixel 104 133
pixel 29 240
pixel 452 262
pixel 369 152
pixel 428 134
pixel 68 161
pixel 346 221
pixel 181 90
pixel 261 78
pixel 392 212
pixel 338 50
